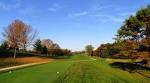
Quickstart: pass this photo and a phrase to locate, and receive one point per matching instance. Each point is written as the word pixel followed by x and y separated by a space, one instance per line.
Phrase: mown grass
pixel 76 69
pixel 80 57
pixel 98 72
pixel 45 73
pixel 71 57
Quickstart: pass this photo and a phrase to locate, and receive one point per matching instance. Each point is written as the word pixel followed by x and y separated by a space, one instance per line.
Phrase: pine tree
pixel 37 45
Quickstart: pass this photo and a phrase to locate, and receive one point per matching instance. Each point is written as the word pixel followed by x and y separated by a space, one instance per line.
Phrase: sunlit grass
pixel 78 69
pixel 98 71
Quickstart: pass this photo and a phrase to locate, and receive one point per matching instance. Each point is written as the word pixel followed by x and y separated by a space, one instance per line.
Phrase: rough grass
pixel 9 62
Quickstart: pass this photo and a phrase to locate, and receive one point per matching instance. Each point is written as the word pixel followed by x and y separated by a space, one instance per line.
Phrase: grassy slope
pixel 98 72
pixel 79 69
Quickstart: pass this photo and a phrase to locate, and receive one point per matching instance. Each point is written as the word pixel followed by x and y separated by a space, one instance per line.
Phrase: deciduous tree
pixel 89 49
pixel 18 35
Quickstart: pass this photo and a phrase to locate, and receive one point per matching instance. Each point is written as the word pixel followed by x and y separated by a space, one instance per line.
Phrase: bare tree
pixel 48 43
pixel 29 36
pixel 56 46
pixel 19 35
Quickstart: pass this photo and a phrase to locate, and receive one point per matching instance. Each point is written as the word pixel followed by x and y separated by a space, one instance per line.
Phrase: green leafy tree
pixel 107 50
pixel 37 45
pixel 137 29
pixel 4 45
pixel 143 16
pixel 89 49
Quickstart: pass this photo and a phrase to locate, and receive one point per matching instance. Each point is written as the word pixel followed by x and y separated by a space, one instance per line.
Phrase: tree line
pixel 47 46
pixel 132 39
pixel 18 36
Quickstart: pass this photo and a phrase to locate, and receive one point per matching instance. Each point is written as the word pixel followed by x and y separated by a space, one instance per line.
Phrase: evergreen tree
pixel 44 50
pixel 4 45
pixel 37 45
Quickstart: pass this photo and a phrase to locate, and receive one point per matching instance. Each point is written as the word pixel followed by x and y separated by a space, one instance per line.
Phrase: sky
pixel 72 24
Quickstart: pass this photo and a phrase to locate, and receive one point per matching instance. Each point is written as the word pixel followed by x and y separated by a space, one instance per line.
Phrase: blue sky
pixel 71 23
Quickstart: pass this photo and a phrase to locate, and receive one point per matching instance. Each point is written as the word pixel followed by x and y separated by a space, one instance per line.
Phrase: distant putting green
pixel 78 69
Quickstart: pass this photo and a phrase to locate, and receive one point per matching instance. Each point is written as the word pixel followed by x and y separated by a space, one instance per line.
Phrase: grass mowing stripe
pixel 45 73
pixel 78 69
pixel 98 72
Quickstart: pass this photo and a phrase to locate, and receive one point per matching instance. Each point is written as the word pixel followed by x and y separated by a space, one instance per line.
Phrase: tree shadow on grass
pixel 131 67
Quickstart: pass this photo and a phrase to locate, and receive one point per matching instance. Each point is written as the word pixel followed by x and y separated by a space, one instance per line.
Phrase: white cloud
pixel 54 7
pixel 9 6
pixel 29 11
pixel 118 8
pixel 108 18
pixel 100 7
pixel 114 15
pixel 146 1
pixel 102 17
pixel 127 14
pixel 78 14
pixel 99 13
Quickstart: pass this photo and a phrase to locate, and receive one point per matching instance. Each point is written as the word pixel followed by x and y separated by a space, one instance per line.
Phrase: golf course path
pixel 21 66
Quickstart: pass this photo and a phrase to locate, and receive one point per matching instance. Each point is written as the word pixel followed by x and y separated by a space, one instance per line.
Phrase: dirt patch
pixel 9 62
pixel 33 59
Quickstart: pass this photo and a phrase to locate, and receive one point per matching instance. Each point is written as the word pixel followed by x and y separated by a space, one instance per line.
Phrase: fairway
pixel 77 69
pixel 45 73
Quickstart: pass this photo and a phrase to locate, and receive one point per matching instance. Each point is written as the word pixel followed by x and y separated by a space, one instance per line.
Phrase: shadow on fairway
pixel 131 67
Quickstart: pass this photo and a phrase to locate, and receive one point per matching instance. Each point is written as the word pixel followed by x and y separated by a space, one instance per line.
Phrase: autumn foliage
pixel 132 39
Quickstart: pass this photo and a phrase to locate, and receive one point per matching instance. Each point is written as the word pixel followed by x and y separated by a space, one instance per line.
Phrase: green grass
pixel 78 69
pixel 37 74
pixel 80 57
pixel 98 72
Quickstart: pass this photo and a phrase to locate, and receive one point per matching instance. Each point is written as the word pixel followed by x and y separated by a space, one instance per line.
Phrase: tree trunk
pixel 148 38
pixel 14 53
pixel 149 48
